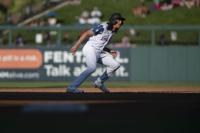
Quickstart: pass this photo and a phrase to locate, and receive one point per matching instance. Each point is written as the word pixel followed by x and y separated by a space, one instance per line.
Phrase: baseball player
pixel 95 51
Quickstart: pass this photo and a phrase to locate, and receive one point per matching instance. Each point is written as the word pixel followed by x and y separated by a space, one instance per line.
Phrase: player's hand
pixel 113 53
pixel 73 50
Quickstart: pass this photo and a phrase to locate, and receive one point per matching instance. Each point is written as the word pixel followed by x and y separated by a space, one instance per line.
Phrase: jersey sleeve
pixel 98 29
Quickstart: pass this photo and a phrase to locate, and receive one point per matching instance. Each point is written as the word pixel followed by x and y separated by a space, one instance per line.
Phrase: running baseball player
pixel 95 51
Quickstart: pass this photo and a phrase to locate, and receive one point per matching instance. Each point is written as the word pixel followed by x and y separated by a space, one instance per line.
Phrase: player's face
pixel 117 25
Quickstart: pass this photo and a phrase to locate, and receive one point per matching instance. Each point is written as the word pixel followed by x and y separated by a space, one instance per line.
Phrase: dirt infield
pixel 146 89
pixel 118 112
pixel 138 108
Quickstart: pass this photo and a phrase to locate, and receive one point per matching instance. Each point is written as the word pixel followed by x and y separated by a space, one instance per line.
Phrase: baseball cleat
pixel 101 86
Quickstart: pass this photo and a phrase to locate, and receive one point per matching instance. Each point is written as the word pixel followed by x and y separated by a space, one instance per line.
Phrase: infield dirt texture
pixel 134 110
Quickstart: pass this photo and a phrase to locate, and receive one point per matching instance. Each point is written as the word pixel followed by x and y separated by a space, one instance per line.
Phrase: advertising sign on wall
pixel 52 64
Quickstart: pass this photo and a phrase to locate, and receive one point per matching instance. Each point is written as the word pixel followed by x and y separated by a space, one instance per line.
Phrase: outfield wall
pixel 165 63
pixel 171 63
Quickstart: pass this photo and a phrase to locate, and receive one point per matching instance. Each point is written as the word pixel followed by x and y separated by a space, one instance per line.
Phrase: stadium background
pixel 157 87
pixel 149 60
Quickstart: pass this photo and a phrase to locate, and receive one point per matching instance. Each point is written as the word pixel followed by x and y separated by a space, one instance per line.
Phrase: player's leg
pixel 112 66
pixel 91 59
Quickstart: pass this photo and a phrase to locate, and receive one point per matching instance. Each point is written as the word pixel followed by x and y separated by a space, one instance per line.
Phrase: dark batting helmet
pixel 114 17
pixel 113 20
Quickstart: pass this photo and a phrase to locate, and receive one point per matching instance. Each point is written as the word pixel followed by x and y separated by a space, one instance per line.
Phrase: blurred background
pixel 159 42
pixel 149 22
pixel 156 89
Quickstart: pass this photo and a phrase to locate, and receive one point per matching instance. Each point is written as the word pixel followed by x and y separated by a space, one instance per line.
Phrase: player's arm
pixel 82 38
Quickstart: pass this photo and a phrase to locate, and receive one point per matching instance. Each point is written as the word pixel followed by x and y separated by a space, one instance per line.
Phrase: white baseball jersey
pixel 101 37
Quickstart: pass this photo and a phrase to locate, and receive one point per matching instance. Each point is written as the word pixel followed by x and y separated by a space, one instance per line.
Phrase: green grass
pixel 46 84
pixel 19 5
pixel 180 15
pixel 177 16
